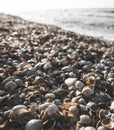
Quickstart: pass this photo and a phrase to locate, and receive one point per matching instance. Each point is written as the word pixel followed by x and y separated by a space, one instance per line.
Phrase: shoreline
pixel 53 79
pixel 48 27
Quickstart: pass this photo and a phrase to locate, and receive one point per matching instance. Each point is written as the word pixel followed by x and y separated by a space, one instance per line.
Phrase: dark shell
pixel 34 124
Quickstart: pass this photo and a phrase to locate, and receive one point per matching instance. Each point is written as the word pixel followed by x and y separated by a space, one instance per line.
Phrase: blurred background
pixel 88 17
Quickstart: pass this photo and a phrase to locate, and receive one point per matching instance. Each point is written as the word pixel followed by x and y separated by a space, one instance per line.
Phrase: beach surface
pixel 52 79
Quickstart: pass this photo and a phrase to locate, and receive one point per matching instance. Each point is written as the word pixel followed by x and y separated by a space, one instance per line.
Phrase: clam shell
pixel 74 110
pixel 34 124
pixel 104 113
pixel 50 96
pixel 112 117
pixel 70 81
pixel 43 107
pixel 107 123
pixel 17 107
pixel 79 85
pixel 85 119
pixel 52 110
pixel 89 128
pixel 112 105
pixel 101 128
pixel 87 91
pixel 10 86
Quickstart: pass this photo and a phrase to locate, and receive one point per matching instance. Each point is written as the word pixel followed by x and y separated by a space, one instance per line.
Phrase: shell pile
pixel 53 79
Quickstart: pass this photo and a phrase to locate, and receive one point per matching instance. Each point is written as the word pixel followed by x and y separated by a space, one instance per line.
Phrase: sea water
pixel 98 23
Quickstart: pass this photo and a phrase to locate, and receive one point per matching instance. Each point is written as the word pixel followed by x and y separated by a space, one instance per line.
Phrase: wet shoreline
pixel 53 79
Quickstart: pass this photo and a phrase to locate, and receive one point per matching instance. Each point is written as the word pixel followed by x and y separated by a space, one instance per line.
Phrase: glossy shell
pixel 34 124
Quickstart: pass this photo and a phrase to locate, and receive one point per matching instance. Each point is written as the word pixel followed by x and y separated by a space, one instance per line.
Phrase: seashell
pixel 112 106
pixel 83 108
pixel 74 110
pixel 7 80
pixel 49 124
pixel 21 116
pixel 10 86
pixel 19 82
pixel 89 128
pixel 79 85
pixel 81 101
pixel 50 96
pixel 13 100
pixel 47 66
pixel 2 92
pixel 82 128
pixel 17 107
pixel 70 81
pixel 33 107
pixel 92 107
pixel 67 105
pixel 43 107
pixel 112 117
pixel 60 93
pixel 87 91
pixel 91 80
pixel 107 123
pixel 104 113
pixel 75 99
pixel 85 119
pixel 34 124
pixel 52 110
pixel 101 128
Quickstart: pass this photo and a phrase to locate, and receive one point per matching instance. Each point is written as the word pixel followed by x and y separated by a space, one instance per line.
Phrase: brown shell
pixel 22 116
